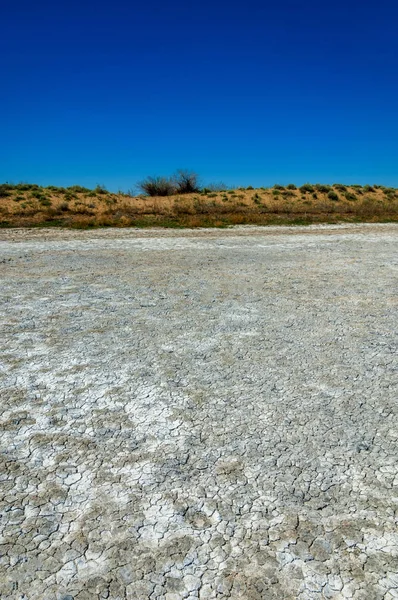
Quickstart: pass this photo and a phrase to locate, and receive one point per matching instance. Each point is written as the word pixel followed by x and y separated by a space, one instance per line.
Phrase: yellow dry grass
pixel 52 206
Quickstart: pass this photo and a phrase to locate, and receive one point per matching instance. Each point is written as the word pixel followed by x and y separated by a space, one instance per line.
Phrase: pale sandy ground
pixel 199 414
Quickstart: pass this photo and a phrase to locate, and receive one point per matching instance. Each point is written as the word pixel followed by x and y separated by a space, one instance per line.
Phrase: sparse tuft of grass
pixel 68 197
pixel 79 189
pixel 307 187
pixel 333 196
pixel 5 190
pixel 349 196
pixel 100 189
pixel 323 189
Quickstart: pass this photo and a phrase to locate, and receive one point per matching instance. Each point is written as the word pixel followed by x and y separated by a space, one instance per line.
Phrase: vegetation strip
pixel 172 203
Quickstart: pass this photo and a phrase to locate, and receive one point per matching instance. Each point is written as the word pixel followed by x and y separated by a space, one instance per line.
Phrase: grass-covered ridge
pixel 30 205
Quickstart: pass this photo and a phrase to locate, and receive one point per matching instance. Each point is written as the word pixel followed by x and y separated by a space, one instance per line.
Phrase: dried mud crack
pixel 199 414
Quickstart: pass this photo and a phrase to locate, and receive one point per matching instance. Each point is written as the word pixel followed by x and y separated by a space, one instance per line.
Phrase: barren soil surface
pixel 199 414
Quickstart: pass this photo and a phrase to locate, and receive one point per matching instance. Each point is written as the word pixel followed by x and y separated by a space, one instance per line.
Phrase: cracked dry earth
pixel 206 414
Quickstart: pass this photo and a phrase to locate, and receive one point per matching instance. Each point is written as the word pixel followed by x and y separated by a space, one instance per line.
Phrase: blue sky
pixel 250 93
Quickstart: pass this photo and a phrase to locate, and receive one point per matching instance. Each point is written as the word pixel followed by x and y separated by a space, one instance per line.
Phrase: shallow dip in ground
pixel 199 414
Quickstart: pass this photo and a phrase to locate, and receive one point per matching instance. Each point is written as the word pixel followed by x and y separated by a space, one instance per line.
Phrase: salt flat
pixel 199 414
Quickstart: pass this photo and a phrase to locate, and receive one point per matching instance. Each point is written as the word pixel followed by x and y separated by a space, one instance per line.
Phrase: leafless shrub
pixel 186 182
pixel 157 186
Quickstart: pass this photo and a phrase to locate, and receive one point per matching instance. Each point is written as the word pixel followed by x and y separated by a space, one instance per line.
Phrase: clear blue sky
pixel 249 92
